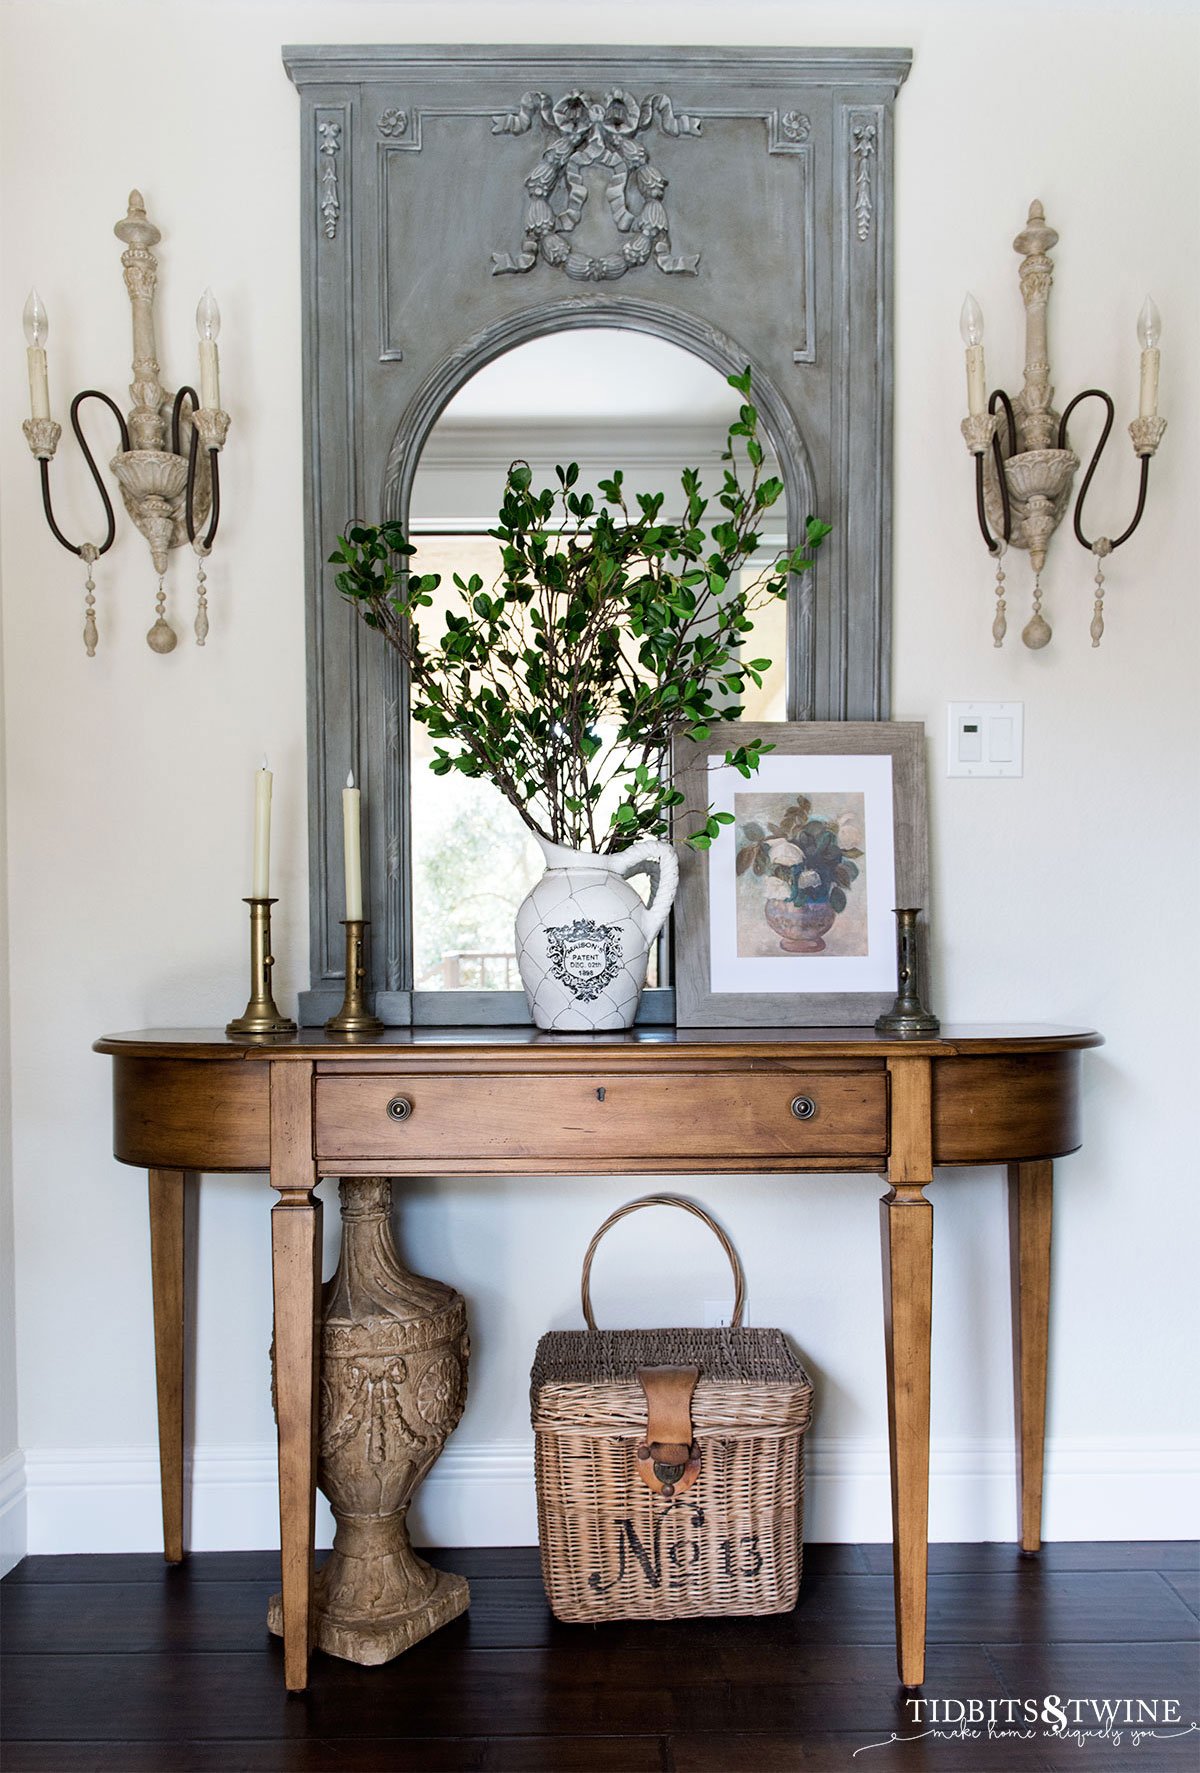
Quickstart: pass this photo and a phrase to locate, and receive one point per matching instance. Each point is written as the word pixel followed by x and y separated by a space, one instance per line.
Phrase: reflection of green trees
pixel 472 867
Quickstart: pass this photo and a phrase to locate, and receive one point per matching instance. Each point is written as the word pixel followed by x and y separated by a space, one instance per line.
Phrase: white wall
pixel 12 1472
pixel 1065 896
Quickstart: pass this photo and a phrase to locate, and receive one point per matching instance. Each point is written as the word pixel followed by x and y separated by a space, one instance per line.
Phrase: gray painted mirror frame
pixel 434 186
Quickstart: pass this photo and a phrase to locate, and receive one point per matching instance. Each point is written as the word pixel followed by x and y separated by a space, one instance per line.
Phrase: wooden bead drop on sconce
pixel 166 465
pixel 1024 466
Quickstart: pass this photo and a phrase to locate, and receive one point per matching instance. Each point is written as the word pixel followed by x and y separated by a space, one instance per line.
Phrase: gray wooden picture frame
pixel 697 1005
pixel 416 169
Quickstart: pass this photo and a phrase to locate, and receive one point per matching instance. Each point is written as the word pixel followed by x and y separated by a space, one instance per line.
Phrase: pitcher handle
pixel 637 860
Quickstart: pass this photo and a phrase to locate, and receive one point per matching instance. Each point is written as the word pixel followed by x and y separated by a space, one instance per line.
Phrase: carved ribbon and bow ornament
pixel 371 1399
pixel 589 132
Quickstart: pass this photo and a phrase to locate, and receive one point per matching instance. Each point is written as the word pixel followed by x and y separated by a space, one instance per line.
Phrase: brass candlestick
pixel 261 1015
pixel 354 1017
pixel 908 1015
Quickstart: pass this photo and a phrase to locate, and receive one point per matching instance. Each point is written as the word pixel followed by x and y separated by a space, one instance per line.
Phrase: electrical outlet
pixel 717 1313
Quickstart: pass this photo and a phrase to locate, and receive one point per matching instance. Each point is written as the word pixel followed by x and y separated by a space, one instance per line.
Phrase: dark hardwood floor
pixel 118 1663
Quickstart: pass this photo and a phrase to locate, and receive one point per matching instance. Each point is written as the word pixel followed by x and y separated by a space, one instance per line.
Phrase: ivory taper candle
pixel 352 848
pixel 261 885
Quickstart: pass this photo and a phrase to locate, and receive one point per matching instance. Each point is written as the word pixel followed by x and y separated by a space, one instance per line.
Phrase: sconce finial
pixel 1035 236
pixel 135 228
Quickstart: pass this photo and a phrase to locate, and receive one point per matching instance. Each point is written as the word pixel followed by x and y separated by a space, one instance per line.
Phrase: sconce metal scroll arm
pixel 189 510
pixel 1099 394
pixel 44 464
pixel 999 398
pixel 184 393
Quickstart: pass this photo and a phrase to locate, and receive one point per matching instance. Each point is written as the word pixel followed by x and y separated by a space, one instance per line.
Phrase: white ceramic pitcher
pixel 584 935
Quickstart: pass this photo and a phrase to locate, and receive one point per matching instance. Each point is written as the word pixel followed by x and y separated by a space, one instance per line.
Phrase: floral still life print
pixel 801 874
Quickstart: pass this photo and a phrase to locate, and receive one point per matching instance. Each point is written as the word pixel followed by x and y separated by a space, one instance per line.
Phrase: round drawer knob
pixel 399 1108
pixel 803 1107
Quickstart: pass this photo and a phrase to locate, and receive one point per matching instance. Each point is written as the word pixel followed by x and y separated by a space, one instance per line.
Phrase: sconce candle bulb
pixel 970 321
pixel 37 323
pixel 1149 326
pixel 208 316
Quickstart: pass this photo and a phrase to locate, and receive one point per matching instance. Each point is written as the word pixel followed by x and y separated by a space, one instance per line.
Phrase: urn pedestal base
pixel 394 1356
pixel 375 1597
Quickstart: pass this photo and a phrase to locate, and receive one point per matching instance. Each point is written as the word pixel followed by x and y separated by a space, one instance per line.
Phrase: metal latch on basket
pixel 668 1458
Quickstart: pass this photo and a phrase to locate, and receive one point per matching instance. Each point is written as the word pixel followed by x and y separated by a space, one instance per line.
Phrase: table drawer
pixel 595 1118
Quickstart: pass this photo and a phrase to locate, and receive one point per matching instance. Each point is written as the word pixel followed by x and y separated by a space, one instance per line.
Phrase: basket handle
pixel 664 1200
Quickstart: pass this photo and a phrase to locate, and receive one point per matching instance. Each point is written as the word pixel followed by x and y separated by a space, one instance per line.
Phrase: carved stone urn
pixel 394 1352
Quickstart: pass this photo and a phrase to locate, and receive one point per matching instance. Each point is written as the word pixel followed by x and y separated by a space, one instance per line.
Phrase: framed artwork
pixel 786 920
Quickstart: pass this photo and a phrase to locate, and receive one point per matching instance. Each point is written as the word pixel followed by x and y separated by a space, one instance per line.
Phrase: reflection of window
pixel 768 641
pixel 473 858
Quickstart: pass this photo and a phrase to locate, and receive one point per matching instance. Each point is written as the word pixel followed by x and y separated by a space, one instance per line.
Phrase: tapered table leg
pixel 296 1272
pixel 1030 1198
pixel 166 1280
pixel 906 1229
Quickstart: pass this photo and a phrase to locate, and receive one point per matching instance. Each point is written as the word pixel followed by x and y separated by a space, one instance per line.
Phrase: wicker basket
pixel 657 1500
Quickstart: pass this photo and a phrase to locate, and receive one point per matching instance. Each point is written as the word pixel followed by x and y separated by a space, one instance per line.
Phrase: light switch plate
pixel 985 739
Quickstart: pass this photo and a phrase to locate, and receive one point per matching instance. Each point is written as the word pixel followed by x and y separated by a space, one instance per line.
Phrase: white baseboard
pixel 1134 1489
pixel 13 1512
pixel 107 1499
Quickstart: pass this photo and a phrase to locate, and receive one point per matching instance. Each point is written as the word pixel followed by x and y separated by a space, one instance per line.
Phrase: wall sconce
pixel 168 491
pixel 1024 467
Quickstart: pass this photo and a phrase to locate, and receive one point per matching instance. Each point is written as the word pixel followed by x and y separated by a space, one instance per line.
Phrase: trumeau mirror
pixel 476 289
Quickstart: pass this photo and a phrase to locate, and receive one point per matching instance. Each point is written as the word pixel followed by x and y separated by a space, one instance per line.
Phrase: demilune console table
pixel 491 1102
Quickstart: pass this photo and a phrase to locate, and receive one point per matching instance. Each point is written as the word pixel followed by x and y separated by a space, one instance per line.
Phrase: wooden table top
pixel 857 1043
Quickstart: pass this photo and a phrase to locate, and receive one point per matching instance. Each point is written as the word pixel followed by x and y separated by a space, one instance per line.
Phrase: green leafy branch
pixel 608 631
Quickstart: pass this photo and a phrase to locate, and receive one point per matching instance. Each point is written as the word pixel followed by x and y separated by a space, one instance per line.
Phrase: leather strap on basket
pixel 664 1200
pixel 668 1458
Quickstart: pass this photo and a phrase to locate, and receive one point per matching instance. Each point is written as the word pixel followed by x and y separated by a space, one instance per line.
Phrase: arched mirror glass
pixel 602 399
